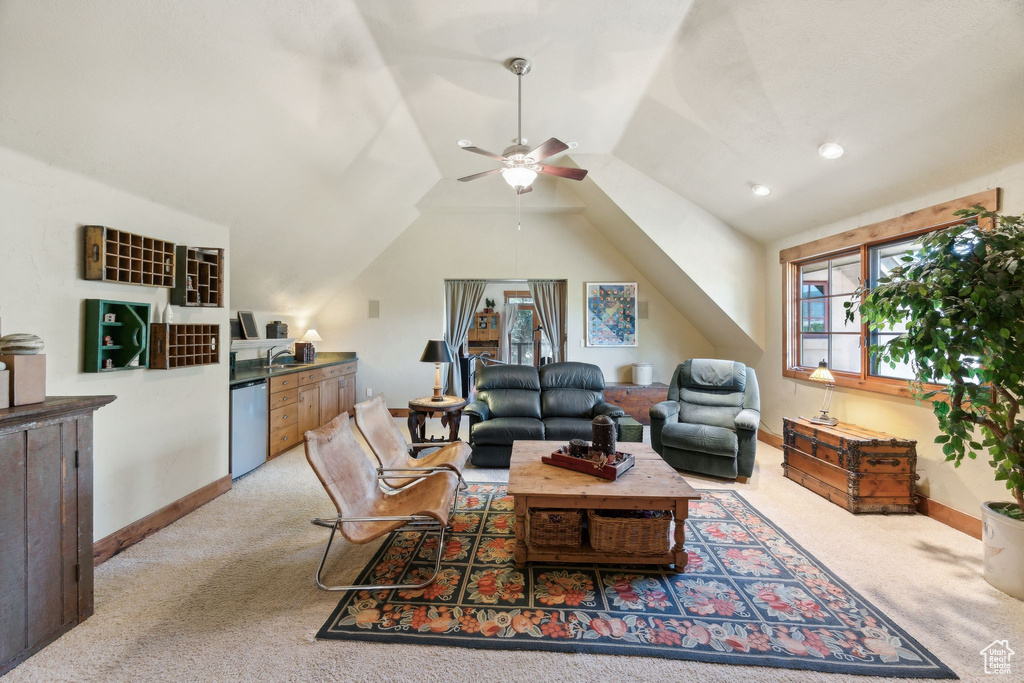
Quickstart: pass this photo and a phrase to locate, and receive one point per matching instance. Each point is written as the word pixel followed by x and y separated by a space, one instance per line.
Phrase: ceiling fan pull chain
pixel 519 220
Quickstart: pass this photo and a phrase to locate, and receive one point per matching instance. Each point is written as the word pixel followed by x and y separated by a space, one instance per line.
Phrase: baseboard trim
pixel 399 412
pixel 769 438
pixel 106 548
pixel 951 517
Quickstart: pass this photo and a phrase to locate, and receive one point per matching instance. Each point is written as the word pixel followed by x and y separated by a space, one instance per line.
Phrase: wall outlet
pixel 369 392
pixel 581 343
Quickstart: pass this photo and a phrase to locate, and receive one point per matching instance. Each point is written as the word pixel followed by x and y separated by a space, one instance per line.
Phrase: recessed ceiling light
pixel 831 150
pixel 761 190
pixel 465 143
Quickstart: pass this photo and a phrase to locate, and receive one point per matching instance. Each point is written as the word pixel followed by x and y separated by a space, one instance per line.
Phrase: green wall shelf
pixel 129 332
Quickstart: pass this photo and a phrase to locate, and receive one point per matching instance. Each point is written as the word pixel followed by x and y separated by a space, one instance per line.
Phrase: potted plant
pixel 489 305
pixel 960 299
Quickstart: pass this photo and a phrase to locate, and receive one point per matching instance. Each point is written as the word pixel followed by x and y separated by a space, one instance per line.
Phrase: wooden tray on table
pixel 624 462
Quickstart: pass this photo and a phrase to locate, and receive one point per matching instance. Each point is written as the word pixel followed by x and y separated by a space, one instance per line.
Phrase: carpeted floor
pixel 227 593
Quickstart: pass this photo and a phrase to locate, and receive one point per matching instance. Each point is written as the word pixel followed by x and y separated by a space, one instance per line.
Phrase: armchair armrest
pixel 478 409
pixel 605 408
pixel 412 473
pixel 747 418
pixel 665 410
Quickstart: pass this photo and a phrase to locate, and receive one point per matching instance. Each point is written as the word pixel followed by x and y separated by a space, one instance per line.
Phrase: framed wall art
pixel 611 314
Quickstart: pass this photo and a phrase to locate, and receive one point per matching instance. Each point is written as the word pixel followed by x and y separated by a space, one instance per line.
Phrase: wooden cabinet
pixel 305 400
pixel 330 399
pixel 347 389
pixel 856 468
pixel 309 407
pixel 46 580
pixel 636 399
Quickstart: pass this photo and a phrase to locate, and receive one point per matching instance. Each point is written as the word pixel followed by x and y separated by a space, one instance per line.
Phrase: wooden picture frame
pixel 236 329
pixel 248 323
pixel 611 314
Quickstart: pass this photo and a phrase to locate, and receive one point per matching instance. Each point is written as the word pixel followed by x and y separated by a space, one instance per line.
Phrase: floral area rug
pixel 749 595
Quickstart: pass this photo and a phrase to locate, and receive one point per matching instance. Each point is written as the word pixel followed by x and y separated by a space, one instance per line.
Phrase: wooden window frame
pixel 862 239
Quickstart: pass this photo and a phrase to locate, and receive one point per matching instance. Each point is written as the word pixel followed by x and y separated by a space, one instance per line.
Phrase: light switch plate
pixel 369 392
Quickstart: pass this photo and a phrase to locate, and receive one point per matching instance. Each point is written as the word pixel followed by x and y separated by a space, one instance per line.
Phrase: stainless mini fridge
pixel 248 426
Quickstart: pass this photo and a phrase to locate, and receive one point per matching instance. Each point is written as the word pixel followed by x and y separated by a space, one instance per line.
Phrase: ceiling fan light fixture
pixel 519 176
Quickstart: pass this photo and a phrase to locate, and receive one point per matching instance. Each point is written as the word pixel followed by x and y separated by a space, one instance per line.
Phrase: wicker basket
pixel 637 536
pixel 556 527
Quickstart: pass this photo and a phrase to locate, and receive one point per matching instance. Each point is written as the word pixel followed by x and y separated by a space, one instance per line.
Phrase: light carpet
pixel 227 593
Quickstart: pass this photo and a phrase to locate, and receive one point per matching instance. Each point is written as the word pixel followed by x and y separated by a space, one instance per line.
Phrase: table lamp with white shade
pixel 310 337
pixel 824 375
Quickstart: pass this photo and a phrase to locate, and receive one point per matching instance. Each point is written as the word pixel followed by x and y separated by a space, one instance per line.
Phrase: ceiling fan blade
pixel 549 148
pixel 564 172
pixel 484 152
pixel 466 179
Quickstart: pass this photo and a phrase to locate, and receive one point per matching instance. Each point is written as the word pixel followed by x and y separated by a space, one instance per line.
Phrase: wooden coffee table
pixel 651 484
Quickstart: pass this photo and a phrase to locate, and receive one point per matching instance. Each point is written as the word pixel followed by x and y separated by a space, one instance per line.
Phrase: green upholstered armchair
pixel 709 422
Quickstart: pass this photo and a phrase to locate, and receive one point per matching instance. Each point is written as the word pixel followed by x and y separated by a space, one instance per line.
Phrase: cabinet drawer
pixel 311 376
pixel 283 417
pixel 283 439
pixel 284 398
pixel 283 382
pixel 336 371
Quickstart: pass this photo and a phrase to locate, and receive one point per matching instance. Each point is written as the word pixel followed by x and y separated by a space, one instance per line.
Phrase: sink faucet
pixel 275 356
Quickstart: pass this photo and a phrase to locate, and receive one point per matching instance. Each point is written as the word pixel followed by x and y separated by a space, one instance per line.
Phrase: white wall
pixel 166 435
pixel 963 488
pixel 408 279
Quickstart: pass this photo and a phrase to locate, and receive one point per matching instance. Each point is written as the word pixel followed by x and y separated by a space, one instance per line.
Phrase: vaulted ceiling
pixel 318 129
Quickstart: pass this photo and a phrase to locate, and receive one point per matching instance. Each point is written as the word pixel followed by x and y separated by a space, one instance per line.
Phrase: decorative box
pixel 630 430
pixel 304 352
pixel 27 378
pixel 856 468
pixel 277 330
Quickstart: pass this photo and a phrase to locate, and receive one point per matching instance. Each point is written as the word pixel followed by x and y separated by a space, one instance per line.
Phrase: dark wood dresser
pixel 859 469
pixel 45 522
pixel 636 399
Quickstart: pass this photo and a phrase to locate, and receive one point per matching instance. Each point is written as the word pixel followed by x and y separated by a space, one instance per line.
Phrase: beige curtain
pixel 461 297
pixel 549 298
pixel 507 320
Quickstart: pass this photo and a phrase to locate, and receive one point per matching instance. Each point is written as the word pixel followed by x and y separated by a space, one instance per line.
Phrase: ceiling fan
pixel 522 164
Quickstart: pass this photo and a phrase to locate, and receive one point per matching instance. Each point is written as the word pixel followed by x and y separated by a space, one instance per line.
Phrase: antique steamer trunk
pixel 859 469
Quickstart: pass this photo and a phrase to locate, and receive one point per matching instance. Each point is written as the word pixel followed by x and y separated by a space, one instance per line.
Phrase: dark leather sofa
pixel 516 402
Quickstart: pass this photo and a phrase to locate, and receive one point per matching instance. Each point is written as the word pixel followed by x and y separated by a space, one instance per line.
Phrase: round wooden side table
pixel 450 409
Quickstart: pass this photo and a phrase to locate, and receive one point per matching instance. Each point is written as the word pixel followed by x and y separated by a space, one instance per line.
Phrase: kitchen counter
pixel 248 370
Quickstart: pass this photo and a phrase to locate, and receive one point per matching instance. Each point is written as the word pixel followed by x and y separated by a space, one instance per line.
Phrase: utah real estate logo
pixel 997 657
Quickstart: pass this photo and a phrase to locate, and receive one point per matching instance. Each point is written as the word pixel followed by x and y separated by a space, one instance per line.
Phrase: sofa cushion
pixel 715 416
pixel 704 374
pixel 510 390
pixel 564 429
pixel 570 389
pixel 703 438
pixel 501 431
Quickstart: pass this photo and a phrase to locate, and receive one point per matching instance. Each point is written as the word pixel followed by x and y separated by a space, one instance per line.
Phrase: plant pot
pixel 1003 539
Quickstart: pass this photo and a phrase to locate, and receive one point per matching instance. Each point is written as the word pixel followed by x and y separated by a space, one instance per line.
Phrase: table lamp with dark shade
pixel 822 374
pixel 437 352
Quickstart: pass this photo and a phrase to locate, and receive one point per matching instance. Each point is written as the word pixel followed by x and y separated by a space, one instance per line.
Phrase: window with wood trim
pixel 819 277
